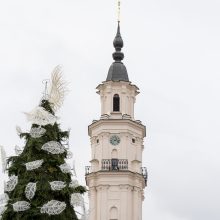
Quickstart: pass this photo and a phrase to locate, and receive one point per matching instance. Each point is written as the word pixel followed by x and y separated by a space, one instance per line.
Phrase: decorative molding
pixel 102 187
pixel 126 187
pixel 137 189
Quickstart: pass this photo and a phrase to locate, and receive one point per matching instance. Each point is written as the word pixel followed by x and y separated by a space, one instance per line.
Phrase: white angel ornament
pixel 58 88
pixel 55 97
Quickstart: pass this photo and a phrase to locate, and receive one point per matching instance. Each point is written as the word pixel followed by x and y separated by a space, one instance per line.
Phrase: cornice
pixel 117 121
pixel 95 176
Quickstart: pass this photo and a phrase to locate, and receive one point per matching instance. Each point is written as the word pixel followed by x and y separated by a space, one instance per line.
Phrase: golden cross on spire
pixel 119 10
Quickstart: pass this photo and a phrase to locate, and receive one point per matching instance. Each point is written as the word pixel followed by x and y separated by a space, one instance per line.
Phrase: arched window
pixel 113 213
pixel 116 103
pixel 114 154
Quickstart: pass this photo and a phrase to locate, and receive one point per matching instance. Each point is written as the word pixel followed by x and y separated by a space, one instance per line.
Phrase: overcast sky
pixel 172 53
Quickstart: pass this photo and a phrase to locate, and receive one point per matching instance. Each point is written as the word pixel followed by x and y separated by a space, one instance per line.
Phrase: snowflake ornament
pixel 30 190
pixel 53 147
pixel 40 116
pixel 10 185
pixel 21 206
pixel 37 132
pixel 34 164
pixel 53 207
pixel 57 185
pixel 76 199
pixel 65 168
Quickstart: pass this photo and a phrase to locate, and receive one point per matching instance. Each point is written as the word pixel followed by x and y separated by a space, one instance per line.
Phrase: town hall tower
pixel 116 178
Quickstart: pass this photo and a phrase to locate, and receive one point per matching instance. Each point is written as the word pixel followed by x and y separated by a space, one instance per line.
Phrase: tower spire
pixel 118 71
pixel 118 43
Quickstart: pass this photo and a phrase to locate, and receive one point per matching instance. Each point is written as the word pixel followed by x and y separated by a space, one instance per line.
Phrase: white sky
pixel 172 53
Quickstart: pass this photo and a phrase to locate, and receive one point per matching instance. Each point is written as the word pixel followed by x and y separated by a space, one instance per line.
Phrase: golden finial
pixel 119 10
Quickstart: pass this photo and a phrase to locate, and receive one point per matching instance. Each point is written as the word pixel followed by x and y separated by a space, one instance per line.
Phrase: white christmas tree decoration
pixel 74 184
pixel 18 150
pixel 57 88
pixel 85 215
pixel 57 185
pixel 2 210
pixel 30 190
pixel 3 159
pixel 37 132
pixel 53 147
pixel 10 185
pixel 69 154
pixel 74 168
pixel 76 199
pixel 40 116
pixel 34 164
pixel 4 199
pixel 21 206
pixel 65 168
pixel 18 129
pixel 53 207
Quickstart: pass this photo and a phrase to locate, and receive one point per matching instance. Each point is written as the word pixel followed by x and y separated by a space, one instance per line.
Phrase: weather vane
pixel 119 10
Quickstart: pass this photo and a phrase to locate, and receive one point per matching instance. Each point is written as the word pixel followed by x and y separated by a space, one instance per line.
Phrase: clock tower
pixel 116 178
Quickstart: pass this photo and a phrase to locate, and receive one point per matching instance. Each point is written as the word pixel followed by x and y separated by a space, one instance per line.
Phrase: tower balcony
pixel 111 165
pixel 114 164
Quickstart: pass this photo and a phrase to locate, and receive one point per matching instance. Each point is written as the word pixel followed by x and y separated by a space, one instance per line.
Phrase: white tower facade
pixel 116 177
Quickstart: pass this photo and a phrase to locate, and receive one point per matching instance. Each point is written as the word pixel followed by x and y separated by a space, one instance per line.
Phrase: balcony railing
pixel 115 165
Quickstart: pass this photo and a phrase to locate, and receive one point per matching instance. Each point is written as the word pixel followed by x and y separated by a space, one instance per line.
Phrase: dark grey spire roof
pixel 118 71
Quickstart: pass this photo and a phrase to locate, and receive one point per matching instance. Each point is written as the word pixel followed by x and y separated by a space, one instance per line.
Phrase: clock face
pixel 114 140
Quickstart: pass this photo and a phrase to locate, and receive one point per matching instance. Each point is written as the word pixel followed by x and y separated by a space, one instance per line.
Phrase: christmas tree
pixel 40 186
